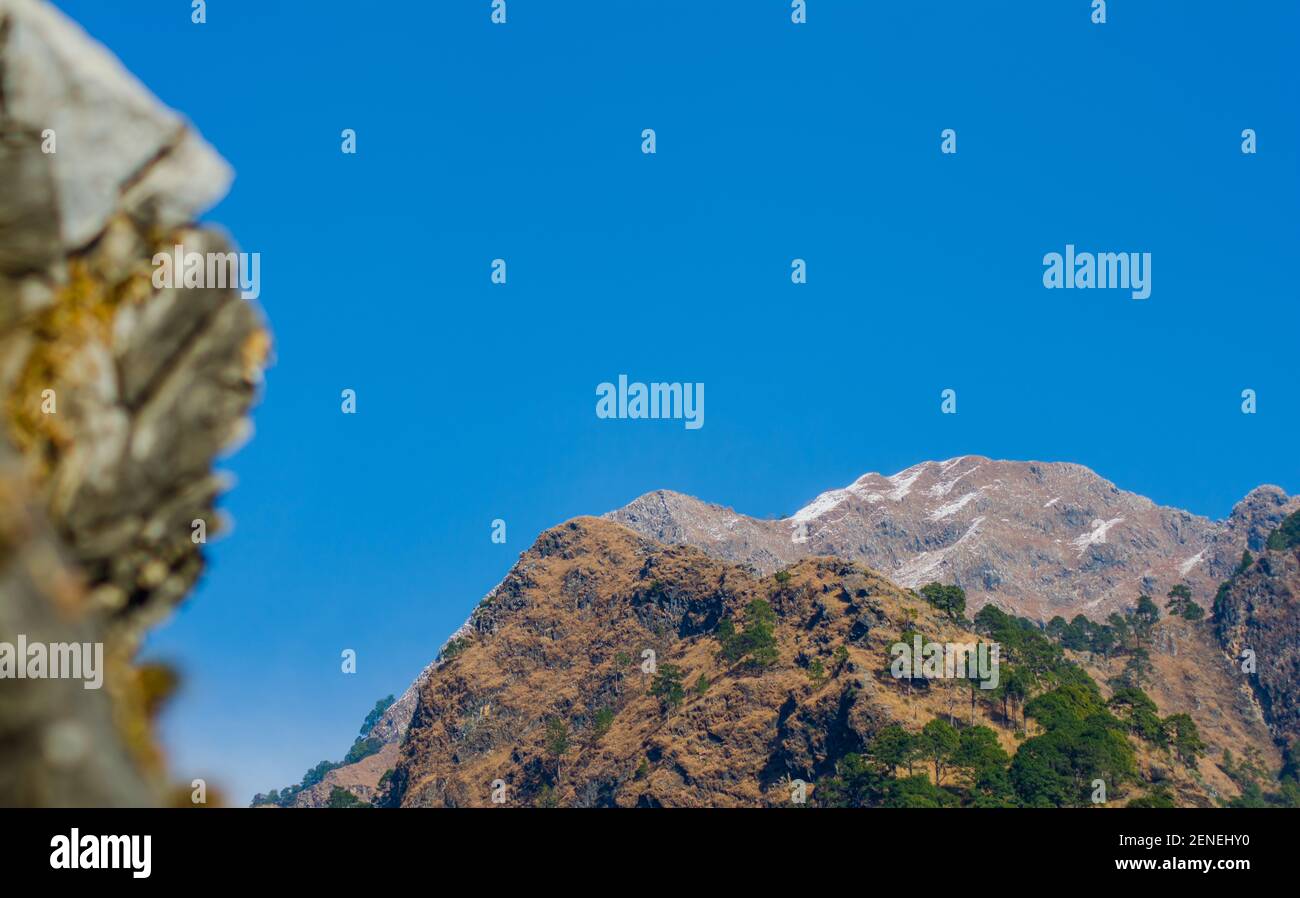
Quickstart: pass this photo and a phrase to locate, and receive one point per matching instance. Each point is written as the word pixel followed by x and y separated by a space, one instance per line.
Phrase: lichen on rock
pixel 116 397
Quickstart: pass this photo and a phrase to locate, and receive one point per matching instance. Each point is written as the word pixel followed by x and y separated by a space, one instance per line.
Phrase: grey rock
pixel 1036 538
pixel 118 148
pixel 149 386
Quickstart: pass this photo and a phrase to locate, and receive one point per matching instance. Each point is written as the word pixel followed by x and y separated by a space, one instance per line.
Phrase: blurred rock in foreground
pixel 116 398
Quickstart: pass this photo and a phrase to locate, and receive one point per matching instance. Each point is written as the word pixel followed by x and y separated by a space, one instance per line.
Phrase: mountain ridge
pixel 1085 544
pixel 1047 497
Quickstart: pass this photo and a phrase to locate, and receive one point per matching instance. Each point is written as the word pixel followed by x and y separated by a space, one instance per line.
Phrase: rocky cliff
pixel 1257 616
pixel 117 396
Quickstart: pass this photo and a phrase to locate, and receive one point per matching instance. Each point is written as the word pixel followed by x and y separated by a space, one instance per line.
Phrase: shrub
pixel 1287 535
pixel 667 687
pixel 817 671
pixel 316 774
pixel 1185 738
pixel 362 748
pixel 342 798
pixel 757 643
pixel 1159 797
pixel 601 723
pixel 951 600
pixel 375 713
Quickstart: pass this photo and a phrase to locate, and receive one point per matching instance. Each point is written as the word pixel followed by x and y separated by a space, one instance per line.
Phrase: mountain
pixel 544 697
pixel 1037 538
pixel 561 638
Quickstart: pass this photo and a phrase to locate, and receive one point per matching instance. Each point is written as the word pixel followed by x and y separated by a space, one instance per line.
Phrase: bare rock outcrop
pixel 116 396
pixel 1257 618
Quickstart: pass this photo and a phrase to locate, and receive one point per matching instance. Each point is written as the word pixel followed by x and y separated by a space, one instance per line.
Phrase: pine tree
pixel 557 742
pixel 939 742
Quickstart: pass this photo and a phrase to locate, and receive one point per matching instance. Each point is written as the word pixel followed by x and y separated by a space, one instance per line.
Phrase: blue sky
pixel 775 141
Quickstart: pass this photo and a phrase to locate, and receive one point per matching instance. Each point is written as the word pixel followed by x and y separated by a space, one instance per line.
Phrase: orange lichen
pixel 83 310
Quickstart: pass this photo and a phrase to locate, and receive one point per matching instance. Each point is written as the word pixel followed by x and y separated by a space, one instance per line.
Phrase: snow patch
pixel 1096 536
pixel 945 467
pixel 1190 563
pixel 819 506
pixel 952 508
pixel 943 489
pixel 899 485
pixel 903 481
pixel 918 570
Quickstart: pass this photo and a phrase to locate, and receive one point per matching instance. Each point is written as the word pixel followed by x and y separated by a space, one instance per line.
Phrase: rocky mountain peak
pixel 1038 538
pixel 1260 513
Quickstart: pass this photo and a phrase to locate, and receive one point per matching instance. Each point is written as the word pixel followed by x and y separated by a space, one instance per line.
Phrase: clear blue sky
pixel 775 141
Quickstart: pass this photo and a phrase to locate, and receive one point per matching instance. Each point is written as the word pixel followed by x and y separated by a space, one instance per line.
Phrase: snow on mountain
pixel 1036 538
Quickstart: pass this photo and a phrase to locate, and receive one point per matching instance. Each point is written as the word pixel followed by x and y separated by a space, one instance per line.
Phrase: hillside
pixel 552 660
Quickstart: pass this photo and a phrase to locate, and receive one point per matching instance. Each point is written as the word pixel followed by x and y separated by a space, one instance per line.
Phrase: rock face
pixel 565 635
pixel 1248 528
pixel 116 396
pixel 1258 612
pixel 59 744
pixel 1037 539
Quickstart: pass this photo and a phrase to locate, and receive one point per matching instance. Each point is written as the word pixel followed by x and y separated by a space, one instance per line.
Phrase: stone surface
pixel 58 741
pixel 118 147
pixel 1259 612
pixel 116 397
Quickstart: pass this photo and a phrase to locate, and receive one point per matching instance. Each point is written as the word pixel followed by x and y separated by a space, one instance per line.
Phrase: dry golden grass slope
pixel 1191 674
pixel 565 634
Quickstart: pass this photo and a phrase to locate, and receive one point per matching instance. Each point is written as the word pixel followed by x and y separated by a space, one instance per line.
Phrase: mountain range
pixel 562 638
pixel 1036 538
